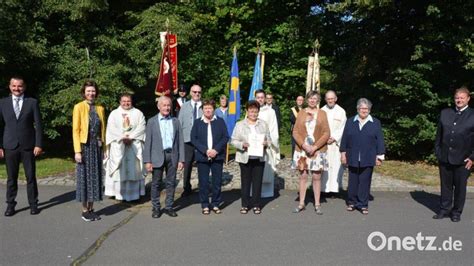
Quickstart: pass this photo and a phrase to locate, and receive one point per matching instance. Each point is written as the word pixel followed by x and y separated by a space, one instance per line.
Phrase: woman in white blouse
pixel 251 162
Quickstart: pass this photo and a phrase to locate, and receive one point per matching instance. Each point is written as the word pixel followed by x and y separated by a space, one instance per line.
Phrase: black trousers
pixel 251 175
pixel 188 166
pixel 12 161
pixel 453 181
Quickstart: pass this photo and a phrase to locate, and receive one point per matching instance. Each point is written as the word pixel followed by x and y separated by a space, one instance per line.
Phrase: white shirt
pixel 198 105
pixel 20 103
pixel 460 110
pixel 180 101
pixel 363 122
pixel 209 131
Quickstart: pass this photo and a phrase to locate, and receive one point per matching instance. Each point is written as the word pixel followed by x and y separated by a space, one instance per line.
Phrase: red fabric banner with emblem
pixel 167 83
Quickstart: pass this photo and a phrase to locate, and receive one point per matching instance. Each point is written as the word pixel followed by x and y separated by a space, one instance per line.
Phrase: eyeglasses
pixel 197 92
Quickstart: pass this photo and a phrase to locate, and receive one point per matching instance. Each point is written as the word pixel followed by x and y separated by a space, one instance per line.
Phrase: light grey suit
pixel 187 120
pixel 163 160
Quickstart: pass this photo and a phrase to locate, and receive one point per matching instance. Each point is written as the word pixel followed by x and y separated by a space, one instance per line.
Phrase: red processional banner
pixel 167 83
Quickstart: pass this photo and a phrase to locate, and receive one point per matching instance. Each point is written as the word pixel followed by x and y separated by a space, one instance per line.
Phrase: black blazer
pixel 219 139
pixel 455 136
pixel 27 131
pixel 366 143
pixel 278 114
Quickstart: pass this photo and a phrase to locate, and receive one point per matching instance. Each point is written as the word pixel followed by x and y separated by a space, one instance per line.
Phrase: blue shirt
pixel 222 114
pixel 166 129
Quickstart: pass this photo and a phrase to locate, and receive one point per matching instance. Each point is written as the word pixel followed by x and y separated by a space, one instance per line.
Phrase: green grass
pixel 416 172
pixel 44 167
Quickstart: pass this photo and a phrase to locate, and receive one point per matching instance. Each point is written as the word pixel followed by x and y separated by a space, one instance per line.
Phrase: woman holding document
pixel 311 133
pixel 250 137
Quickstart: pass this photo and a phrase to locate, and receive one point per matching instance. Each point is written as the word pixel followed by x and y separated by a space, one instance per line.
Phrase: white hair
pixel 364 101
pixel 163 98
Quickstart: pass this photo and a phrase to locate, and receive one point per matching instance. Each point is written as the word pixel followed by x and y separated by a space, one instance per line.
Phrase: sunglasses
pixel 197 92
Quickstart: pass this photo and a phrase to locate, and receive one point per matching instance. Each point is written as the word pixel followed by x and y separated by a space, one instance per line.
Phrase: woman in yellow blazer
pixel 88 133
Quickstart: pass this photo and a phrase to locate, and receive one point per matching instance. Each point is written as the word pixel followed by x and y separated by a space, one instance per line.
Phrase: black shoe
pixel 156 213
pixel 10 211
pixel 186 193
pixel 94 216
pixel 440 215
pixel 86 216
pixel 171 213
pixel 34 210
pixel 455 218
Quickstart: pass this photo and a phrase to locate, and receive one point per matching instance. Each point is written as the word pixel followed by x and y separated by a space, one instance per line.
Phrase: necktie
pixel 17 107
pixel 195 111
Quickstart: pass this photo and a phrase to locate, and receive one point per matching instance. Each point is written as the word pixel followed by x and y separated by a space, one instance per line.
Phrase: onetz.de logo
pixel 377 241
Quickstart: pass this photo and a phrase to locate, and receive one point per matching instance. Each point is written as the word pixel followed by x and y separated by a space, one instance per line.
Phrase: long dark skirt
pixel 89 173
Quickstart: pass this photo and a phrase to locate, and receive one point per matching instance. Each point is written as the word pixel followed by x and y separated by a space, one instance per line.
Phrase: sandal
pixel 299 209
pixel 350 208
pixel 206 211
pixel 257 210
pixel 216 210
pixel 364 211
pixel 244 210
pixel 317 209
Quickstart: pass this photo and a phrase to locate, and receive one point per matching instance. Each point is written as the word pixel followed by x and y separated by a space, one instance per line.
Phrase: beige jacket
pixel 240 136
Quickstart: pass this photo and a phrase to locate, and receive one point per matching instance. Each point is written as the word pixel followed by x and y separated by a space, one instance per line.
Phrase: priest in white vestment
pixel 331 180
pixel 268 115
pixel 125 136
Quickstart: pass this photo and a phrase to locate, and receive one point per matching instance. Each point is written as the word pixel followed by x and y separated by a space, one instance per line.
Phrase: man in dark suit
pixel 293 115
pixel 20 141
pixel 180 100
pixel 454 148
pixel 163 151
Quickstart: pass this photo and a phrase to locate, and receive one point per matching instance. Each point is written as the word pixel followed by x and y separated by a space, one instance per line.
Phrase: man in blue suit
pixel 163 151
pixel 454 148
pixel 362 147
pixel 21 135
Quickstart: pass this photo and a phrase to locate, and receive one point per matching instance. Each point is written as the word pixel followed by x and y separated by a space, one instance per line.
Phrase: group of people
pixel 120 153
pixel 325 141
pixel 183 132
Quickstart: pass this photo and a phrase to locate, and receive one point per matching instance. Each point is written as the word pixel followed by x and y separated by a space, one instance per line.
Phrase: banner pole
pixel 227 154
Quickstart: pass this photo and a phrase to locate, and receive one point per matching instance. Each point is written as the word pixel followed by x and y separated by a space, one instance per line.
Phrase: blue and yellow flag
pixel 234 96
pixel 257 80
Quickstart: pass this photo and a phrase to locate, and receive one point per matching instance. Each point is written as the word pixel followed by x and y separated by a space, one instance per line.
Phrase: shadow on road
pixel 116 208
pixel 228 197
pixel 60 199
pixel 429 200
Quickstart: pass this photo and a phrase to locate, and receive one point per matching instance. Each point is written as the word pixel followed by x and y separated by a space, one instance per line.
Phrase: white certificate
pixel 256 145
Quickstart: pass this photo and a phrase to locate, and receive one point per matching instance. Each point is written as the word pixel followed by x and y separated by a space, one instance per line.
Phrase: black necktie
pixel 195 111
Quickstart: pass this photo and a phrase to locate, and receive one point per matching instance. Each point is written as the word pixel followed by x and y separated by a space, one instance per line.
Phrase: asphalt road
pixel 127 235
